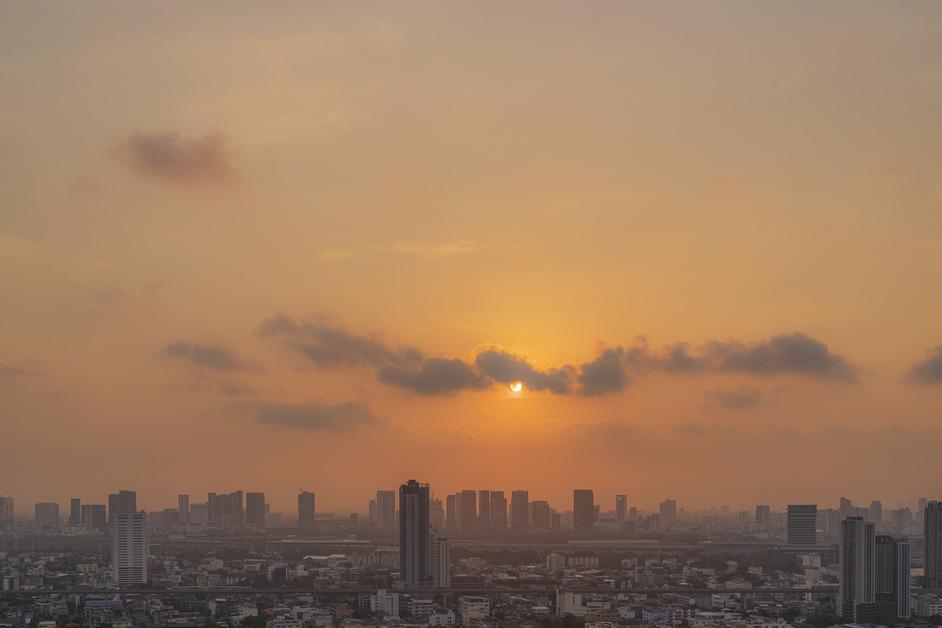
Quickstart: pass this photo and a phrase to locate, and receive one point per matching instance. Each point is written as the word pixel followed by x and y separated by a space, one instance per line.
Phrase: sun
pixel 516 387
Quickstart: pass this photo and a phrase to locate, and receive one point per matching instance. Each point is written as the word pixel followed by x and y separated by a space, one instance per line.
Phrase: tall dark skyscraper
pixel 183 508
pixel 484 509
pixel 932 530
pixel 583 510
pixel 226 509
pixel 121 502
pixel 891 578
pixel 540 518
pixel 414 534
pixel 255 509
pixel 498 510
pixel 667 512
pixel 802 524
pixel 305 509
pixel 763 516
pixel 621 509
pixel 451 512
pixel 857 574
pixel 95 516
pixel 75 511
pixel 386 510
pixel 467 511
pixel 520 511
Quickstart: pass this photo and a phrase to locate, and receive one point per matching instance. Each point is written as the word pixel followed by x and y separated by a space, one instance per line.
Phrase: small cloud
pixel 213 357
pixel 605 374
pixel 318 416
pixel 505 368
pixel 435 376
pixel 927 372
pixel 795 353
pixel 736 399
pixel 169 156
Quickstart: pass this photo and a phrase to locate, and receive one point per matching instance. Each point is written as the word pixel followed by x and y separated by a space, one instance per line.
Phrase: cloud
pixel 504 368
pixel 318 416
pixel 605 374
pixel 927 372
pixel 168 156
pixel 213 357
pixel 9 372
pixel 425 250
pixel 795 353
pixel 735 399
pixel 435 376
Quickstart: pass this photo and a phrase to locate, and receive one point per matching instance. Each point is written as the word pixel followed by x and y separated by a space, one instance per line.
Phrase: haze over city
pixel 644 250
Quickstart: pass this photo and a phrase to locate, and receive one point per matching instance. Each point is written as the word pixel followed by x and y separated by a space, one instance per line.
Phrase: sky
pixel 311 245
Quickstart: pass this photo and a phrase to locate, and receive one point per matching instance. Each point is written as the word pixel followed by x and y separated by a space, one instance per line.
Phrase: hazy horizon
pixel 282 246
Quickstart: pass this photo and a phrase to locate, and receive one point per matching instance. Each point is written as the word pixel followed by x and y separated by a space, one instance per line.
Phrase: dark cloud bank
pixel 328 346
pixel 170 157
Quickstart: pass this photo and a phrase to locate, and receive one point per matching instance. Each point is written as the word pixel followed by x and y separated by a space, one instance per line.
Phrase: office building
pixel 802 524
pixel 932 535
pixel 306 504
pixel 763 516
pixel 484 510
pixel 498 510
pixel 540 517
pixel 856 572
pixel 414 534
pixel 95 516
pixel 129 548
pixel 451 512
pixel 583 510
pixel 875 513
pixel 667 513
pixel 6 512
pixel 386 510
pixel 892 578
pixel 47 515
pixel 385 603
pixel 621 510
pixel 520 511
pixel 440 561
pixel 436 514
pixel 183 507
pixel 75 511
pixel 121 502
pixel 255 510
pixel 226 510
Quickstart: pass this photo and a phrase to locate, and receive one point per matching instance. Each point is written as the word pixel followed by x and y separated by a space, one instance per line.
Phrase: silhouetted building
pixel 440 561
pixel 183 507
pixel 414 534
pixel 226 510
pixel 451 512
pixel 95 516
pixel 466 509
pixel 306 509
pixel 498 510
pixel 484 509
pixel 540 518
pixel 667 513
pixel 892 579
pixel 75 511
pixel 802 524
pixel 6 512
pixel 121 502
pixel 520 511
pixel 255 509
pixel 621 509
pixel 129 548
pixel 386 510
pixel 857 575
pixel 47 515
pixel 583 510
pixel 436 514
pixel 932 533
pixel 763 516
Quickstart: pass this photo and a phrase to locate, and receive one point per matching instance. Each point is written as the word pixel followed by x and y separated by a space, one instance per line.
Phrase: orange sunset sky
pixel 266 246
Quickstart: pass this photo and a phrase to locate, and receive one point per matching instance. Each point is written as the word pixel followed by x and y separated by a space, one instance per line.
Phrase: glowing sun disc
pixel 516 387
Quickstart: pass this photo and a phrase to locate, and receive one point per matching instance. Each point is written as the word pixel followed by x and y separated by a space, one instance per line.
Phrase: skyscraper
pixel 451 512
pixel 875 513
pixel 667 512
pixel 121 502
pixel 621 509
pixel 763 516
pixel 255 510
pixel 484 509
pixel 802 524
pixel 440 561
pixel 306 509
pixel 498 510
pixel 183 507
pixel 466 509
pixel 583 510
pixel 226 510
pixel 892 579
pixel 75 511
pixel 932 531
pixel 6 512
pixel 857 576
pixel 414 534
pixel 47 515
pixel 436 514
pixel 520 511
pixel 129 548
pixel 540 515
pixel 386 510
pixel 95 516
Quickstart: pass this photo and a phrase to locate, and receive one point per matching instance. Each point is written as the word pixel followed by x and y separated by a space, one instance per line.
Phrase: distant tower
pixel 386 509
pixel 6 512
pixel 763 516
pixel 121 502
pixel 932 529
pixel 129 548
pixel 802 524
pixel 47 515
pixel 484 509
pixel 183 507
pixel 892 577
pixel 498 510
pixel 305 509
pixel 520 511
pixel 583 510
pixel 440 561
pixel 255 510
pixel 467 509
pixel 857 574
pixel 621 510
pixel 414 537
pixel 75 511
pixel 667 512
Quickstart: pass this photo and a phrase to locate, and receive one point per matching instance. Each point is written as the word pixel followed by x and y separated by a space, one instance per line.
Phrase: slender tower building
pixel 414 534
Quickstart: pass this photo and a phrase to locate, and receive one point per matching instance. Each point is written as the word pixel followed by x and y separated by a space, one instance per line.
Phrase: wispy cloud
pixel 417 249
pixel 212 357
pixel 171 157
